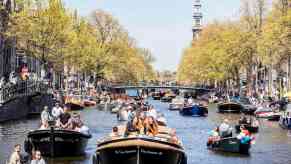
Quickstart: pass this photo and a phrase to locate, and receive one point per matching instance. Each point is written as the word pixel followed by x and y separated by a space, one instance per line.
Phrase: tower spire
pixel 197 19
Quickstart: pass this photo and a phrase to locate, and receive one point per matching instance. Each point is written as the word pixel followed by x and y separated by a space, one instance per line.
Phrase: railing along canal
pixel 20 89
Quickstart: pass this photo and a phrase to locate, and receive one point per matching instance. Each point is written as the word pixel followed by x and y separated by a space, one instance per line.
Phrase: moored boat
pixel 140 150
pixel 229 107
pixel 57 143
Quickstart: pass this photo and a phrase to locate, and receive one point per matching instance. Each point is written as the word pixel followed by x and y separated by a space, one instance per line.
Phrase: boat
pixel 194 111
pixel 89 102
pixel 285 119
pixel 229 107
pixel 248 107
pixel 166 98
pixel 177 103
pixel 74 102
pixel 230 144
pixel 57 143
pixel 156 96
pixel 140 149
pixel 275 117
pixel 264 112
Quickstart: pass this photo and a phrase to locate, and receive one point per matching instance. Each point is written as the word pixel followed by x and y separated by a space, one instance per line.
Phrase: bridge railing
pixel 20 89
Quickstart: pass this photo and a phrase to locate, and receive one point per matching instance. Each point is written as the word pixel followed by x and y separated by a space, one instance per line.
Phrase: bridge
pixel 20 89
pixel 149 86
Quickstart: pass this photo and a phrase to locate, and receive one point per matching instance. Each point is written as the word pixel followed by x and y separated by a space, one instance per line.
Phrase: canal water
pixel 273 144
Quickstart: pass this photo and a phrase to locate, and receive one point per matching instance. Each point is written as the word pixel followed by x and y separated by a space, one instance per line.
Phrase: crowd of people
pixel 62 119
pixel 143 119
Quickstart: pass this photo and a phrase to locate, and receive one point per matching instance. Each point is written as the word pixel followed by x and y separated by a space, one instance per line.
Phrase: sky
pixel 163 26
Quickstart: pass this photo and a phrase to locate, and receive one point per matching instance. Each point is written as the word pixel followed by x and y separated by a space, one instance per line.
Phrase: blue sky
pixel 163 26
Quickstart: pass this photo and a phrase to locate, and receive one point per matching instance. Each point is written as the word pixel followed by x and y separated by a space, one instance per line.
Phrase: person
pixel 76 122
pixel 15 157
pixel 190 101
pixel 38 158
pixel 151 127
pixel 65 120
pixel 214 136
pixel 138 124
pixel 114 133
pixel 243 119
pixel 225 129
pixel 174 138
pixel 44 125
pixel 57 111
pixel 244 136
pixel 45 115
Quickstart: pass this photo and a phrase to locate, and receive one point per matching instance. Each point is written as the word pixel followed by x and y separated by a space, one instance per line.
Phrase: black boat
pixel 231 144
pixel 229 107
pixel 57 143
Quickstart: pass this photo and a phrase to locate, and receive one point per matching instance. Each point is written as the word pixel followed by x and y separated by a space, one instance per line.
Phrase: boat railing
pixel 23 88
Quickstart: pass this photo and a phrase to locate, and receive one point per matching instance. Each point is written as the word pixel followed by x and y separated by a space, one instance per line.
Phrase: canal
pixel 273 145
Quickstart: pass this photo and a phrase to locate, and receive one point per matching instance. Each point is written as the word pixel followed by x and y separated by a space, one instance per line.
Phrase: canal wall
pixel 22 107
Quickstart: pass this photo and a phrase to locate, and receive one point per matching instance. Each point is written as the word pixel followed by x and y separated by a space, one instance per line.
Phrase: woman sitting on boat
pixel 151 127
pixel 214 136
pixel 244 136
pixel 225 130
pixel 65 122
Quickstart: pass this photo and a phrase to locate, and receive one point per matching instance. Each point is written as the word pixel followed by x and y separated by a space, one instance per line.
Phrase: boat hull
pixel 57 143
pixel 229 108
pixel 232 145
pixel 194 111
pixel 73 106
pixel 139 154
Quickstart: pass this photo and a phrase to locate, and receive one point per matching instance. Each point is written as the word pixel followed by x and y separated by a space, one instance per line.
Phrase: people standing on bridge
pixel 57 111
pixel 15 157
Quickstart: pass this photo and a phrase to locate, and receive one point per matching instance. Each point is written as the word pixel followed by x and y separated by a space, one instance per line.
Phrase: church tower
pixel 197 19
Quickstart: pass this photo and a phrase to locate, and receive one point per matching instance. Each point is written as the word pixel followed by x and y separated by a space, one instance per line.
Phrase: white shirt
pixel 57 111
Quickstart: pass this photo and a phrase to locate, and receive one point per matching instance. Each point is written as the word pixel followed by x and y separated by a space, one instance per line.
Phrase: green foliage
pixel 54 34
